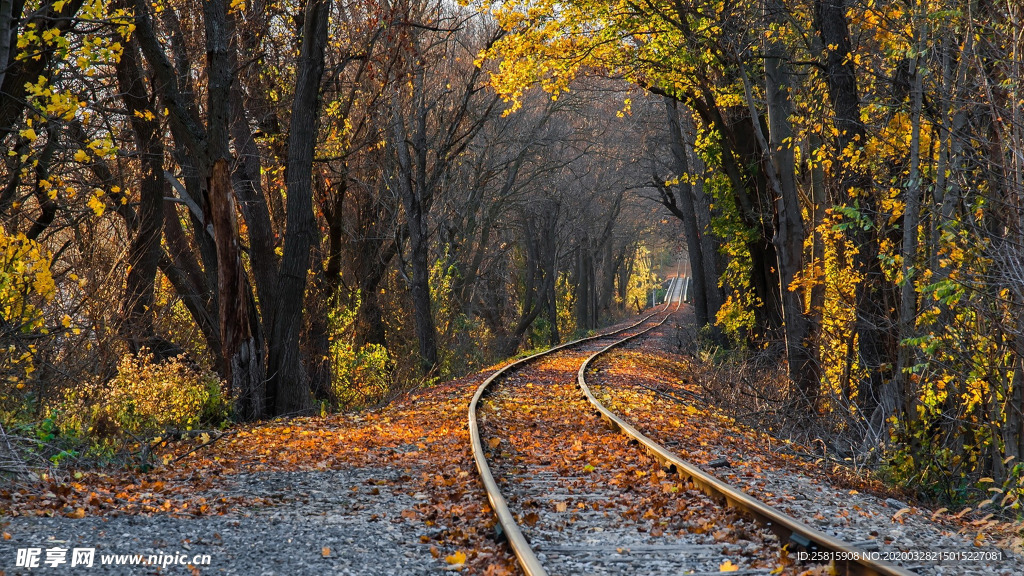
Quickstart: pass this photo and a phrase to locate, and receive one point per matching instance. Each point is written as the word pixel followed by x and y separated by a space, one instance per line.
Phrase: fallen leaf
pixel 728 566
pixel 457 558
pixel 435 552
pixel 494 443
pixel 325 551
pixel 77 514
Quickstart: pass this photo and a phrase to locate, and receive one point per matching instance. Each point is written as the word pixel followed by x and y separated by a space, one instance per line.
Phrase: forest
pixel 226 211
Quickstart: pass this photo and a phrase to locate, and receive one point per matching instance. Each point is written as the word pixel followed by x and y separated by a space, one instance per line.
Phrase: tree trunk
pixel 240 347
pixel 789 233
pixel 426 331
pixel 414 193
pixel 144 251
pixel 286 379
pixel 709 241
pixel 241 350
pixel 896 393
pixel 855 188
pixel 687 212
pixel 584 289
pixel 8 33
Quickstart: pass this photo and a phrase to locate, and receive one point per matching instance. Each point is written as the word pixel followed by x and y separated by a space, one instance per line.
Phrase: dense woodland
pixel 237 210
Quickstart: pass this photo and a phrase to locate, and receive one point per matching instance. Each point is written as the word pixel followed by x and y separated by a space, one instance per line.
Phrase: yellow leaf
pixel 97 205
pixel 81 156
pixel 77 514
pixel 728 566
pixel 457 558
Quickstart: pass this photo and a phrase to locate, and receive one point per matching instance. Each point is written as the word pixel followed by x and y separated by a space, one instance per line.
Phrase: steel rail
pixel 848 559
pixel 520 547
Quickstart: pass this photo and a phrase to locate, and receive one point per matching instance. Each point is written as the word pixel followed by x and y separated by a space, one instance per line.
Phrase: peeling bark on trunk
pixel 239 346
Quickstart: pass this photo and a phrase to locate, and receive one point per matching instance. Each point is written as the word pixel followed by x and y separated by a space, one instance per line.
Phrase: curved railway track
pixel 594 532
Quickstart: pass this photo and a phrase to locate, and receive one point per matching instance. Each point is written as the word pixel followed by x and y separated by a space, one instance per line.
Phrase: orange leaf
pixel 325 551
pixel 728 566
pixel 457 558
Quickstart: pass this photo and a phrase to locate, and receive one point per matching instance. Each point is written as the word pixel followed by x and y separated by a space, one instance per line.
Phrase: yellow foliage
pixel 25 285
pixel 96 204
pixel 839 344
pixel 145 397
pixel 641 280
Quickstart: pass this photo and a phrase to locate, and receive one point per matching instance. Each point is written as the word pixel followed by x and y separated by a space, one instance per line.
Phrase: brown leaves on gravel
pixel 424 436
pixel 640 373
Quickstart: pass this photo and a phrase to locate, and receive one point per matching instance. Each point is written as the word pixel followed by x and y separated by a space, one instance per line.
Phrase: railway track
pixel 572 495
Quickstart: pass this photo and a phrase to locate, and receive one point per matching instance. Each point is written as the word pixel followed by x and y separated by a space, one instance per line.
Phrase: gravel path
pixel 333 522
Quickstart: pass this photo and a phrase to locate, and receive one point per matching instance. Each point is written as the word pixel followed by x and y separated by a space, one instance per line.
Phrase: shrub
pixel 361 376
pixel 144 398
